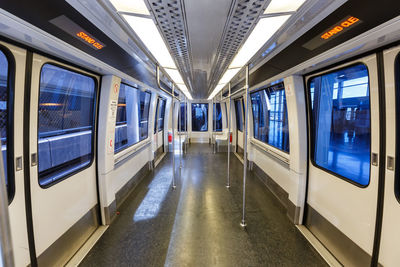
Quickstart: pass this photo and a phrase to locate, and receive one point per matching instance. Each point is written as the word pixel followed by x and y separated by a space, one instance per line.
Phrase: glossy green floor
pixel 197 224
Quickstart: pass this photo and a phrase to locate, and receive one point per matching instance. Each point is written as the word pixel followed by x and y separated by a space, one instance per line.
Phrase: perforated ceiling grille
pixel 170 18
pixel 237 28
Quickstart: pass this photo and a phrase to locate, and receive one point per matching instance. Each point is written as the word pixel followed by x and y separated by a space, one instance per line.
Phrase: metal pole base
pixel 243 224
pixel 228 186
pixel 174 187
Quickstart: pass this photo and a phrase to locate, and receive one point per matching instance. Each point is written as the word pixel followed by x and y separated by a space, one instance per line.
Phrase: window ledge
pixel 131 151
pixel 271 151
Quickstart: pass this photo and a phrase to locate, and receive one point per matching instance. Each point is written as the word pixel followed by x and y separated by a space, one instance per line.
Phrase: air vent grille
pixel 244 17
pixel 170 18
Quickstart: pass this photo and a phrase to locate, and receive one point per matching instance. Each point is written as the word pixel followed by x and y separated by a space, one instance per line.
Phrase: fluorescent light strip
pixel 175 75
pixel 261 33
pixel 229 74
pixel 278 6
pixel 150 36
pixel 131 6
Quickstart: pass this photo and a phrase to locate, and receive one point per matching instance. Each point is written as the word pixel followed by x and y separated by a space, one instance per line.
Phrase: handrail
pixel 162 89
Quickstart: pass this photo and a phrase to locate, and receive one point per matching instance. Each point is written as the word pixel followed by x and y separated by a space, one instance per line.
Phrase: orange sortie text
pixel 338 28
pixel 89 40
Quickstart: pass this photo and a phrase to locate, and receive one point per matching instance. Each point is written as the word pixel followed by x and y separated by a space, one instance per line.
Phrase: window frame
pixel 207 119
pixel 94 118
pixel 311 129
pixel 116 152
pixel 287 111
pixel 10 122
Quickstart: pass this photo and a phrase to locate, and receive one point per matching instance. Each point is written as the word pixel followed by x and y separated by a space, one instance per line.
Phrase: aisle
pixel 198 223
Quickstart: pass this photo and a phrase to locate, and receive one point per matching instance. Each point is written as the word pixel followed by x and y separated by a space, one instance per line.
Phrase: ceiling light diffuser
pixel 131 6
pixel 229 74
pixel 175 75
pixel 150 36
pixel 278 6
pixel 261 33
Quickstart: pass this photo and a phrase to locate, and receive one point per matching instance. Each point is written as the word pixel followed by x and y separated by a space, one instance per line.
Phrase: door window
pixel 340 123
pixel 217 118
pixel 239 115
pixel 5 106
pixel 182 117
pixel 65 124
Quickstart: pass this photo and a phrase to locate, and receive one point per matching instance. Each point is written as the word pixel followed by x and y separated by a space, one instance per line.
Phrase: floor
pixel 198 223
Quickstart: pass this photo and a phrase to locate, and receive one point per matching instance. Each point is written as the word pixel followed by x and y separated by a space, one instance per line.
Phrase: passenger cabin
pixel 200 133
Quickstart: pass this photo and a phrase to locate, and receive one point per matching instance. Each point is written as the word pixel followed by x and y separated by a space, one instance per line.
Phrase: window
pixel 340 123
pixel 239 115
pixel 161 115
pixel 270 118
pixel 155 118
pixel 5 118
pixel 217 118
pixel 200 117
pixel 182 117
pixel 132 117
pixel 65 124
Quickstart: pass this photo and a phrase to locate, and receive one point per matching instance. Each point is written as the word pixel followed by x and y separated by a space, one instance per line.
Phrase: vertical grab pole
pixel 180 132
pixel 173 138
pixel 229 136
pixel 246 121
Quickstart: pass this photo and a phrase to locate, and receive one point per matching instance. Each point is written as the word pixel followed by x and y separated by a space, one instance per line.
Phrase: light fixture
pixel 261 33
pixel 131 6
pixel 150 36
pixel 216 90
pixel 229 75
pixel 279 6
pixel 138 18
pixel 175 75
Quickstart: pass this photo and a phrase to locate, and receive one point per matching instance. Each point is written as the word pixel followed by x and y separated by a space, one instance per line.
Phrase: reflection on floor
pixel 197 224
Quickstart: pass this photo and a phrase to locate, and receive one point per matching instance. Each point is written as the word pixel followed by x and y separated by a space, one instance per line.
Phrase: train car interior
pixel 199 133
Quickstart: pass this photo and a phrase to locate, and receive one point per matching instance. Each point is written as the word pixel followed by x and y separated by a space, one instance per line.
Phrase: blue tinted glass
pixel 66 122
pixel 270 118
pixel 132 117
pixel 144 110
pixel 155 117
pixel 161 115
pixel 4 113
pixel 182 117
pixel 239 115
pixel 340 121
pixel 226 113
pixel 217 118
pixel 199 117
